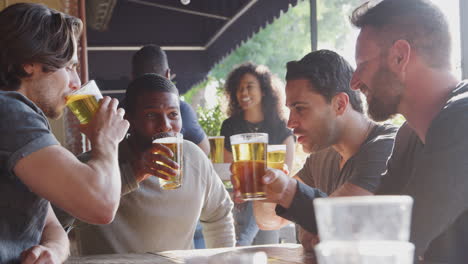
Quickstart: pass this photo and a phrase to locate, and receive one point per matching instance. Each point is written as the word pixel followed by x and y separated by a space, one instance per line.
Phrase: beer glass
pixel 376 217
pixel 84 102
pixel 174 141
pixel 249 152
pixel 216 149
pixel 276 156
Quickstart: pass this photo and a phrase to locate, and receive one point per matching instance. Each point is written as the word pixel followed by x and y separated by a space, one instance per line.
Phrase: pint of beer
pixel 276 156
pixel 84 102
pixel 250 155
pixel 174 141
pixel 216 149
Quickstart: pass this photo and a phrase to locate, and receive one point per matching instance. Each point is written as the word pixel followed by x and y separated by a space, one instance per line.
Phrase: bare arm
pixel 54 247
pixel 205 145
pixel 227 156
pixel 88 191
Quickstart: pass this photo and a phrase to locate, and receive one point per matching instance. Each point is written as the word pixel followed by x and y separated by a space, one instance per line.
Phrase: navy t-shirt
pixel 191 129
pixel 24 129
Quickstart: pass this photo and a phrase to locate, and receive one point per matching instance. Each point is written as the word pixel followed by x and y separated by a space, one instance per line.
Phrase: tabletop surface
pixel 277 254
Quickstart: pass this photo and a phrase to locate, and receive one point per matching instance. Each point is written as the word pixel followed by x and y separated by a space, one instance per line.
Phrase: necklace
pixel 254 128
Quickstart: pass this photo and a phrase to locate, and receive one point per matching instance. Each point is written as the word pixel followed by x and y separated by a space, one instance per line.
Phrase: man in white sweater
pixel 150 219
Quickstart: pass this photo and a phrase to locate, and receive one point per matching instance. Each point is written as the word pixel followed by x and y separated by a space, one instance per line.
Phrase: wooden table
pixel 277 254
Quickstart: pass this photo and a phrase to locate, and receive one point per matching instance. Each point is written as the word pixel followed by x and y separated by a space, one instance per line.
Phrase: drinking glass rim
pixel 252 138
pixel 362 200
pixel 276 147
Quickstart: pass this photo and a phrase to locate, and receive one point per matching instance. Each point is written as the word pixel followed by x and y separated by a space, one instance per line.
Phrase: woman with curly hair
pixel 255 106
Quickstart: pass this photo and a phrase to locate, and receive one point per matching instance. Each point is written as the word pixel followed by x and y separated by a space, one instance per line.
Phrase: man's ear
pixel 339 103
pixel 399 56
pixel 30 68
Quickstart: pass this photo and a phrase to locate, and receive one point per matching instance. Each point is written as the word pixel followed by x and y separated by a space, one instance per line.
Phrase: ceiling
pixel 195 36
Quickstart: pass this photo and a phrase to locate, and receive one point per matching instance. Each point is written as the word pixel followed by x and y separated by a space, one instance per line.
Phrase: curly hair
pixel 34 33
pixel 272 100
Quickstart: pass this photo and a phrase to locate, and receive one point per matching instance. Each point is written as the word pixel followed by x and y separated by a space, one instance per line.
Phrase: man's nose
pixel 165 125
pixel 292 122
pixel 75 82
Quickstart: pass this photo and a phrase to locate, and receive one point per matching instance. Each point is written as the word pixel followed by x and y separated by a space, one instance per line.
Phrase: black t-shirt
pixel 435 174
pixel 24 129
pixel 277 131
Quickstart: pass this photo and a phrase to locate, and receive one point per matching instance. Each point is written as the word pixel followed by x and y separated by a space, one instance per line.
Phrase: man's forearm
pixel 54 237
pixel 301 208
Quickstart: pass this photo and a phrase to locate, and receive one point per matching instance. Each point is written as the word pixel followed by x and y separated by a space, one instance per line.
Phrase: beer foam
pixel 249 138
pixel 272 148
pixel 167 140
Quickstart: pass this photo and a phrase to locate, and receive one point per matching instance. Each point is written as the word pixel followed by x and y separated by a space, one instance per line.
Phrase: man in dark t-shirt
pixel 348 151
pixel 403 66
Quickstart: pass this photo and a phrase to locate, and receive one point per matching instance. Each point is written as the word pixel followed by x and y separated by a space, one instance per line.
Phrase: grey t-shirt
pixel 435 174
pixel 24 129
pixel 364 169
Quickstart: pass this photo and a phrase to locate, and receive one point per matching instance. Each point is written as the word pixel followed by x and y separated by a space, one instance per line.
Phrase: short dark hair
pixel 34 33
pixel 328 72
pixel 272 106
pixel 419 22
pixel 149 82
pixel 149 59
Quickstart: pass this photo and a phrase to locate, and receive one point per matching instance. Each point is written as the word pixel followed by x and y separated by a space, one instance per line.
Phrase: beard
pixel 385 97
pixel 51 109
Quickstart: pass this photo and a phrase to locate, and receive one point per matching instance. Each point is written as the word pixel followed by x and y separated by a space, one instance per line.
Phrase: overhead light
pixel 185 2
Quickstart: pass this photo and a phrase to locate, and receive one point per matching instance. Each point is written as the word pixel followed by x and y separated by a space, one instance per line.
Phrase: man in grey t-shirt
pixel 348 151
pixel 38 51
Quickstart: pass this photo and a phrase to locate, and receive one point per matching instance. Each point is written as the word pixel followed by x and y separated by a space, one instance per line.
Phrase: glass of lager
pixel 276 156
pixel 174 141
pixel 216 149
pixel 249 152
pixel 84 102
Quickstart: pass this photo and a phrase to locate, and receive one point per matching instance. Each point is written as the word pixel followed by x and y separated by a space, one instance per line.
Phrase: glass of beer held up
pixel 174 141
pixel 84 102
pixel 276 156
pixel 250 156
pixel 216 149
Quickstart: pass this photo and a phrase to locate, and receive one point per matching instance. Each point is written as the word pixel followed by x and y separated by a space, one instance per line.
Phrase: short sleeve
pixel 24 129
pixel 191 129
pixel 371 162
pixel 227 130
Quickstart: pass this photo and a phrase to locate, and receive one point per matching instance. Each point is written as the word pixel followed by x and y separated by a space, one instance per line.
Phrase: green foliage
pixel 211 119
pixel 286 39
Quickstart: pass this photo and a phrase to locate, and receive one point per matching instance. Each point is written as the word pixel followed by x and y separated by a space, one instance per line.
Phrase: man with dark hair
pixel 149 218
pixel 38 60
pixel 403 66
pixel 348 152
pixel 152 59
